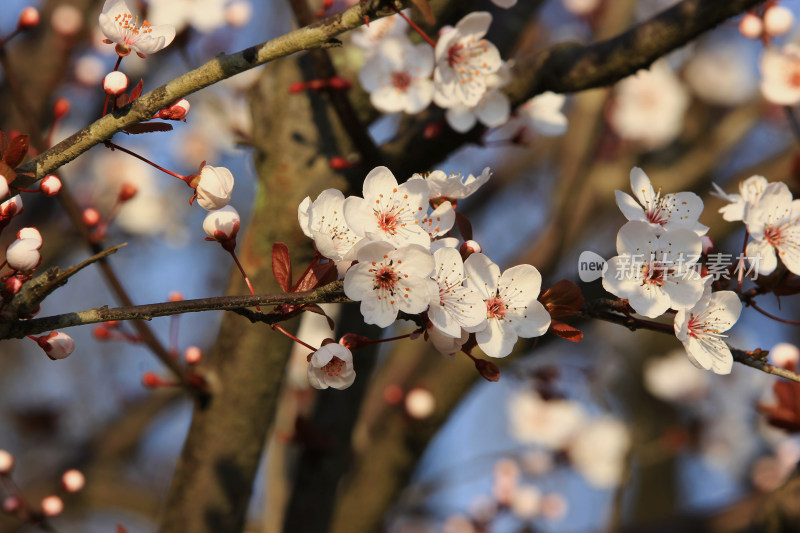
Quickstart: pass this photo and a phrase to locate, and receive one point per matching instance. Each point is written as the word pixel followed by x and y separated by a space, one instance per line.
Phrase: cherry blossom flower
pixel 222 224
pixel 655 273
pixel 649 107
pixel 780 71
pixel 598 452
pixel 671 211
pixel 464 59
pixel 549 423
pixel 202 15
pixel 73 480
pixel 397 76
pixel 440 221
pixel 751 26
pixel 778 20
pixel 120 26
pixel 701 328
pixel 23 254
pixel 673 379
pixel 750 190
pixel 115 83
pixel 492 110
pixel 214 187
pixel 323 220
pixel 368 37
pixel 542 115
pixel 388 280
pixel 785 355
pixel 512 309
pixel 52 506
pixel 388 211
pixel 526 502
pixel 774 225
pixel 331 366
pixel 56 345
pixel 457 306
pixel 721 71
pixel 453 186
pixel 444 344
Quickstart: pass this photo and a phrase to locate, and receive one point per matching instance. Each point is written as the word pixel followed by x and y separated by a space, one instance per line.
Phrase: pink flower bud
pixel 420 403
pixel 393 394
pixel 751 26
pixel 11 207
pixel 50 185
pixel 175 296
pixel 6 462
pixel 222 224
pixel 3 187
pixel 469 248
pixel 61 107
pixel 29 18
pixel 52 506
pixel 73 480
pixel 12 504
pixel 11 286
pixel 778 20
pixel 91 216
pixel 56 345
pixel 23 254
pixel 176 111
pixel 115 83
pixel 192 355
pixel 214 187
pixel 127 192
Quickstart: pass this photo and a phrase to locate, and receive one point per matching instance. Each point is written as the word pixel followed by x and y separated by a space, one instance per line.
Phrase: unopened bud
pixel 353 342
pixel 751 26
pixel 175 296
pixel 73 480
pixel 469 248
pixel 29 18
pixel 176 111
pixel 151 380
pixel 115 83
pixel 127 191
pixel 61 108
pixel 56 345
pixel 778 20
pixel 297 87
pixel 192 355
pixel 52 506
pixel 11 207
pixel 707 244
pixel 487 370
pixel 340 163
pixel 393 394
pixel 11 286
pixel 339 84
pixel 91 216
pixel 101 333
pixel 420 403
pixel 3 187
pixel 50 185
pixel 6 462
pixel 12 504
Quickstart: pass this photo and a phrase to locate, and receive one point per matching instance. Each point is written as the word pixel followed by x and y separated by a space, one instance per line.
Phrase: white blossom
pixel 542 115
pixel 331 366
pixel 549 423
pixel 774 225
pixel 57 345
pixel 23 254
pixel 214 187
pixel 780 74
pixel 121 27
pixel 439 221
pixel 492 110
pixel 750 190
pixel 464 59
pixel 673 379
pixel 721 72
pixel 222 224
pixel 397 76
pixel 649 106
pixel 701 328
pixel 454 185
pixel 368 37
pixel 323 220
pixel 655 273
pixel 456 306
pixel 388 280
pixel 512 308
pixel 202 15
pixel 598 452
pixel 388 211
pixel 672 211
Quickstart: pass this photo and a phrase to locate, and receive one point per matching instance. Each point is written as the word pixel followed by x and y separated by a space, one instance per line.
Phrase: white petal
pixel 482 275
pixel 461 118
pixel 761 256
pixel 641 186
pixel 629 207
pixel 498 339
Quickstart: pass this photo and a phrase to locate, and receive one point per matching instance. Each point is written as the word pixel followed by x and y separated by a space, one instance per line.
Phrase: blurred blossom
pixel 219 120
pixel 548 423
pixel 537 462
pixel 768 473
pixel 506 476
pixel 368 37
pixel 458 524
pixel 581 7
pixel 420 403
pixel 780 71
pixel 554 506
pixel 238 13
pixel 89 70
pixel 483 509
pixel 778 20
pixel 202 15
pixel 722 71
pixel 674 379
pixel 599 451
pixel 526 502
pixel 66 20
pixel 785 355
pixel 649 106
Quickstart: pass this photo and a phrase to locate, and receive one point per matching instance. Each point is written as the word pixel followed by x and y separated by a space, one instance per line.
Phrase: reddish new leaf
pixel 563 299
pixel 16 151
pixel 282 266
pixel 314 308
pixel 425 8
pixel 137 91
pixel 565 331
pixel 464 226
pixel 317 276
pixel 148 127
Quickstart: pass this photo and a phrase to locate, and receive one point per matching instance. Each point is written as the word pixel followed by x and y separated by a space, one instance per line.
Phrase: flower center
pixel 388 221
pixel 401 80
pixel 773 235
pixel 129 28
pixel 658 211
pixel 495 308
pixel 335 367
pixel 654 273
pixel 385 279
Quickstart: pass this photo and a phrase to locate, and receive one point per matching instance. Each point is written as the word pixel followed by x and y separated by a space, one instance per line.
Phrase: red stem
pixel 141 158
pixel 244 275
pixel 108 96
pixel 414 25
pixel 277 327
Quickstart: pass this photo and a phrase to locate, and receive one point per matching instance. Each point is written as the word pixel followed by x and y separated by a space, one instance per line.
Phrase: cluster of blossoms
pixel 657 269
pixel 392 250
pixel 462 72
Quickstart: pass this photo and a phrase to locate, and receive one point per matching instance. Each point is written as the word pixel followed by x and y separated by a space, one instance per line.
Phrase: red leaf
pixel 464 226
pixel 16 151
pixel 282 266
pixel 149 127
pixel 317 276
pixel 314 308
pixel 565 331
pixel 563 299
pixel 137 91
pixel 121 529
pixel 425 8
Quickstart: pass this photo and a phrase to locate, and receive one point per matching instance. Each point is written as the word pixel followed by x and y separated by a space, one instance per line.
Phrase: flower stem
pixel 108 96
pixel 141 158
pixel 415 26
pixel 244 275
pixel 277 327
